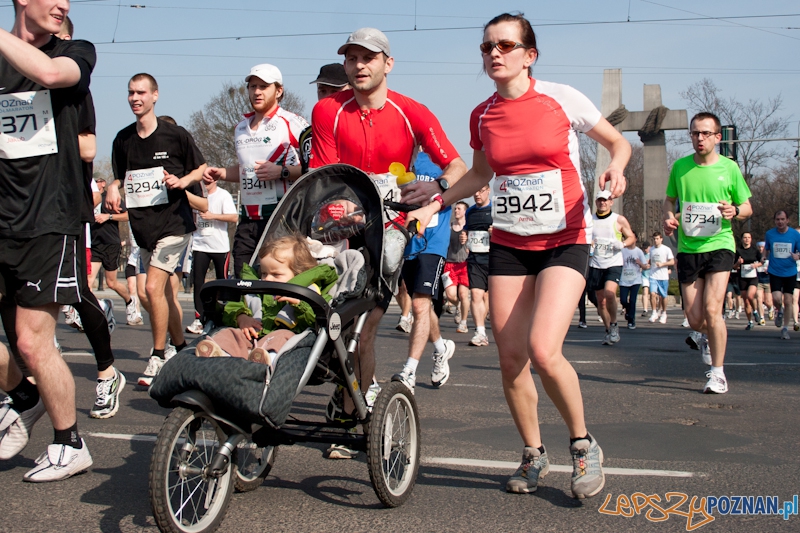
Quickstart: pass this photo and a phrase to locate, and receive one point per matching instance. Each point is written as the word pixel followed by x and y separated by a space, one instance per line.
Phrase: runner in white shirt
pixel 633 262
pixel 267 148
pixel 211 243
pixel 661 258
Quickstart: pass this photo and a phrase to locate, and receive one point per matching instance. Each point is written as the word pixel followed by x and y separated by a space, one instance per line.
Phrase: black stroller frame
pixel 202 453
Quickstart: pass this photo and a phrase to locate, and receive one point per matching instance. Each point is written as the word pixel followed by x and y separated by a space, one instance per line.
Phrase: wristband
pixel 438 198
pixel 737 211
pixel 110 217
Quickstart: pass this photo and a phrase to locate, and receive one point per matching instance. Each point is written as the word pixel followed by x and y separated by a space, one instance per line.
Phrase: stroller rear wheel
pixel 393 444
pixel 185 499
pixel 253 464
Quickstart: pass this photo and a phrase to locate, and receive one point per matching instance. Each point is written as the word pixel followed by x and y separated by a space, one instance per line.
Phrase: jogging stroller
pixel 230 415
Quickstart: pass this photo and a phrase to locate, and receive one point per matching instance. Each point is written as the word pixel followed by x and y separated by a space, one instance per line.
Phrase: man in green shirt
pixel 712 192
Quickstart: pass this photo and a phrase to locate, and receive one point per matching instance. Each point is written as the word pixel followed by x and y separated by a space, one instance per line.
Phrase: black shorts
pixel 245 240
pixel 507 261
pixel 41 270
pixel 423 275
pixel 130 271
pixel 478 274
pixel 785 285
pixel 597 278
pixel 693 266
pixel 107 254
pixel 745 283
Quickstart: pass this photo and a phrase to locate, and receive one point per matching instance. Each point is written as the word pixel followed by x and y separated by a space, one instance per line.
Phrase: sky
pixel 193 47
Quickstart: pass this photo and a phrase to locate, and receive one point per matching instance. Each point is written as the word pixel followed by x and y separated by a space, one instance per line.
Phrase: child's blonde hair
pixel 296 252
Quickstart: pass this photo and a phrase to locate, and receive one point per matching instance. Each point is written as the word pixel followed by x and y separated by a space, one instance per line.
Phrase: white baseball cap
pixel 604 194
pixel 265 71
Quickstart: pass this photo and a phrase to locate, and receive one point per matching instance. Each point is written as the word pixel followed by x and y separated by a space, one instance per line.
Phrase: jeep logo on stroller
pixel 334 326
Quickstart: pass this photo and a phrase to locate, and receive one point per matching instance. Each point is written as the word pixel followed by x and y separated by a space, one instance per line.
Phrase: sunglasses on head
pixel 504 46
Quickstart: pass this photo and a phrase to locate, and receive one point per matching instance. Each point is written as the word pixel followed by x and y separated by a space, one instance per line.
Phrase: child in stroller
pixel 287 260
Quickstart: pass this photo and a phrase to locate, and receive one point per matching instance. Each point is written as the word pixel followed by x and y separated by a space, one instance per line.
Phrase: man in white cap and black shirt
pixel 267 149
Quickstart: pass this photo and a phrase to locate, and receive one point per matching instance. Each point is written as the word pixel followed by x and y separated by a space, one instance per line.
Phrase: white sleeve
pixel 583 115
pixel 94 186
pixel 228 208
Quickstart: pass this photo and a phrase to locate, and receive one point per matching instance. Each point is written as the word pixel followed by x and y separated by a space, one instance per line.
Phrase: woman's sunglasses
pixel 504 46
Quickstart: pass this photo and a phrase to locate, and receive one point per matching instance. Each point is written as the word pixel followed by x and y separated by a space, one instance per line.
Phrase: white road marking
pixel 597 362
pixel 79 354
pixel 507 465
pixel 590 340
pixel 473 385
pixel 504 465
pixel 760 364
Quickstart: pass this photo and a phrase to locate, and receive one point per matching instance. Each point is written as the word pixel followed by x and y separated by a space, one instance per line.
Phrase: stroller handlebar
pixel 401 207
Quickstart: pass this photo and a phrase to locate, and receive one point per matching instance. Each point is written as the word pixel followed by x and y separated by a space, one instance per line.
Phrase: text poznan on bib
pixel 530 204
pixel 27 125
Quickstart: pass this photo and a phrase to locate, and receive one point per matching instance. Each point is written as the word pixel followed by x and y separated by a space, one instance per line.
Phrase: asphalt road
pixel 643 405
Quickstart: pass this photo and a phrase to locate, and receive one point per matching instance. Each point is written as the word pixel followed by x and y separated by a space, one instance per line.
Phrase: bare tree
pixel 212 127
pixel 772 190
pixel 756 119
pixel 588 159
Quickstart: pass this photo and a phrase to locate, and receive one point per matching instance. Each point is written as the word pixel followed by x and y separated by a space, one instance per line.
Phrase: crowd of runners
pixel 527 245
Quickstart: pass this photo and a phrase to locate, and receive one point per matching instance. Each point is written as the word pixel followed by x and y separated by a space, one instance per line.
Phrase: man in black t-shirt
pixel 476 234
pixel 43 80
pixel 158 162
pixel 748 259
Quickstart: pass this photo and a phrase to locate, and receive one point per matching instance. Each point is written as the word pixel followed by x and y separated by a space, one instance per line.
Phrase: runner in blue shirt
pixel 782 245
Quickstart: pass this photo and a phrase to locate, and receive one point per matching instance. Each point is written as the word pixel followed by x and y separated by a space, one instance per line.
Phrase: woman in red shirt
pixel 526 134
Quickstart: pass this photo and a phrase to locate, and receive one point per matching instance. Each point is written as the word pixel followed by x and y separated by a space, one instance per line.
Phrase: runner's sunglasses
pixel 504 46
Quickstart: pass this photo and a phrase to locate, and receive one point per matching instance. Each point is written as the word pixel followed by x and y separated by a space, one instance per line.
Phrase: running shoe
pixel 705 351
pixel 716 384
pixel 449 308
pixel 441 368
pixel 131 313
pixel 154 365
pixel 462 328
pixel 582 325
pixel 663 318
pixel 108 390
pixel 404 324
pixel 762 322
pixel 685 323
pixel 653 317
pixel 372 394
pixel 693 340
pixel 644 314
pixel 779 319
pixel 407 378
pixel 614 333
pixel 108 309
pixel 59 462
pixel 534 466
pixel 750 325
pixel 587 468
pixel 738 314
pixel 796 326
pixel 58 346
pixel 340 451
pixel 457 317
pixel 69 315
pixel 195 327
pixel 15 427
pixel 771 313
pixel 631 325
pixel 607 340
pixel 479 339
pixel 785 334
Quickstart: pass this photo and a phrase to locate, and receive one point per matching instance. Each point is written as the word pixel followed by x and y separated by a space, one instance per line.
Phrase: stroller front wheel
pixel 393 444
pixel 185 498
pixel 253 464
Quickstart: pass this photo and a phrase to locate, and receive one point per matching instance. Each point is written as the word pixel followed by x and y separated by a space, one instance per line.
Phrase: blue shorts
pixel 659 286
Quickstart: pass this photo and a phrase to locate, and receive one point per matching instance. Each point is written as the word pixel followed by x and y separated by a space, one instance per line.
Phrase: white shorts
pixel 167 253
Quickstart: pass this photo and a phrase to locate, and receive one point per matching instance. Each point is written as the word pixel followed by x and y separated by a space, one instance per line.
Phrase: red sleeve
pixel 428 133
pixel 323 143
pixel 475 141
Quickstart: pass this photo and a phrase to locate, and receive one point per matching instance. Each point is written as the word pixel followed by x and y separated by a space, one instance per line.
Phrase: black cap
pixel 332 75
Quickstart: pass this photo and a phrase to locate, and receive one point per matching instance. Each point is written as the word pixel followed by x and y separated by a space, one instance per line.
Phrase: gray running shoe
pixel 441 368
pixel 535 466
pixel 587 468
pixel 404 324
pixel 785 334
pixel 705 351
pixel 108 309
pixel 614 333
pixel 779 319
pixel 607 340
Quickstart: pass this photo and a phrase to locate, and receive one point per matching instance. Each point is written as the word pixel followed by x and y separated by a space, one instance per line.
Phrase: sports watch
pixel 285 172
pixel 443 184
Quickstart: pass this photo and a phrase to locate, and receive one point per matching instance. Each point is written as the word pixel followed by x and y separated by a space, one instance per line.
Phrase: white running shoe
pixel 154 365
pixel 132 316
pixel 372 394
pixel 15 427
pixel 59 462
pixel 441 368
pixel 69 315
pixel 407 377
pixel 108 390
pixel 462 328
pixel 404 324
pixel 663 318
pixel 685 323
pixel 457 317
pixel 607 340
pixel 705 351
pixel 653 317
pixel 108 309
pixel 614 333
pixel 479 339
pixel 716 384
pixel 195 327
